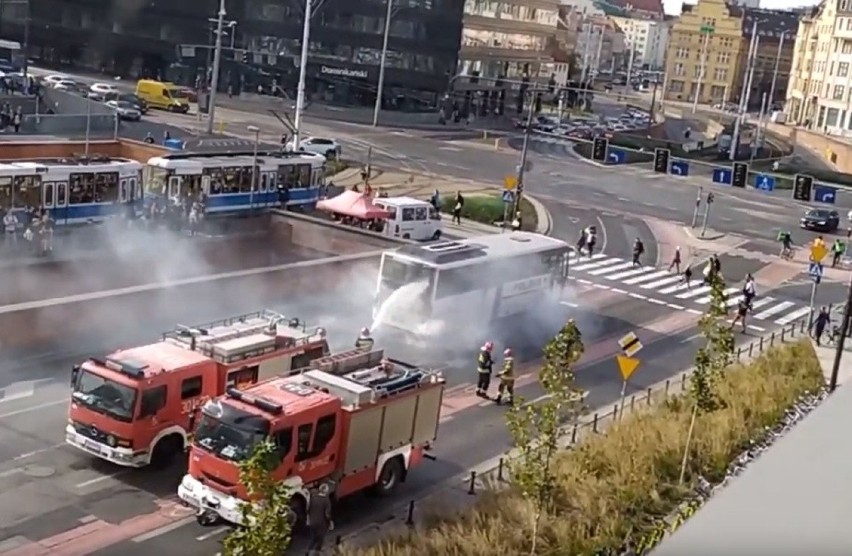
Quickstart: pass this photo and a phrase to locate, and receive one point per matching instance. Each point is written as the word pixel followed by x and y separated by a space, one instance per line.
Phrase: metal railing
pixel 495 473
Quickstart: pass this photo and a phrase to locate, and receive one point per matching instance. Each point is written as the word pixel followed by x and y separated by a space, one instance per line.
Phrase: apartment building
pixel 776 31
pixel 600 45
pixel 510 38
pixel 647 38
pixel 704 53
pixel 819 92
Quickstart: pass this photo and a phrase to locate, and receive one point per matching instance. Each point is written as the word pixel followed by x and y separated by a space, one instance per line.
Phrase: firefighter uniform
pixel 365 341
pixel 507 380
pixel 485 366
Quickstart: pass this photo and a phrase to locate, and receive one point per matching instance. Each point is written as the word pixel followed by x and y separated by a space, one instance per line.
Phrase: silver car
pixel 126 111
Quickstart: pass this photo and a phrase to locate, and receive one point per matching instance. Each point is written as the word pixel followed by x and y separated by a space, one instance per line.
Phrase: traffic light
pixel 599 149
pixel 661 161
pixel 739 176
pixel 802 188
pixel 244 56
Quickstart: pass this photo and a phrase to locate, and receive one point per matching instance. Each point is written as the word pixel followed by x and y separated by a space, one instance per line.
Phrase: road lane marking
pixel 30 409
pixel 214 533
pixel 102 478
pixel 163 530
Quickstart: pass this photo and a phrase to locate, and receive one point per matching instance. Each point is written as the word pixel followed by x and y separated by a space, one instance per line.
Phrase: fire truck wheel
pixel 166 450
pixel 390 477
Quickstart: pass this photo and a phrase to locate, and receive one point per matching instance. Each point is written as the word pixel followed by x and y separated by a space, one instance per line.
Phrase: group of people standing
pixel 37 229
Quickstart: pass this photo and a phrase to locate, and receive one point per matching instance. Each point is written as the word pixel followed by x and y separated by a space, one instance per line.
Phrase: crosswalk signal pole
pixel 815 280
pixel 706 213
pixel 697 206
pixel 516 205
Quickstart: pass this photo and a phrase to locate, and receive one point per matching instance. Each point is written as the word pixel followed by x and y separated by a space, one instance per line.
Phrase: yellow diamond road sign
pixel 510 182
pixel 627 366
pixel 630 344
pixel 818 251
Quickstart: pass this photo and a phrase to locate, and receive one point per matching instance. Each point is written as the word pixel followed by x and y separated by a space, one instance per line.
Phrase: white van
pixel 410 218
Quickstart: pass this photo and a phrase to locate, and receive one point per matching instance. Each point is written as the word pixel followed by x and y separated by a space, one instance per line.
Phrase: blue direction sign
pixel 764 182
pixel 679 168
pixel 825 194
pixel 723 176
pixel 815 271
pixel 508 196
pixel 616 156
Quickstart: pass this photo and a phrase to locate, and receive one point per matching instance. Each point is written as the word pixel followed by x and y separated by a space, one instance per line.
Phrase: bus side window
pixel 407 214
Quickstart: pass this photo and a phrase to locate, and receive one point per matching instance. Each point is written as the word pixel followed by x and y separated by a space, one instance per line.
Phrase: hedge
pixel 616 486
pixel 489 209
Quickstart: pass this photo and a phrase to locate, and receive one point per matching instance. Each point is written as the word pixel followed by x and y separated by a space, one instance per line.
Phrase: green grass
pixel 334 166
pixel 489 209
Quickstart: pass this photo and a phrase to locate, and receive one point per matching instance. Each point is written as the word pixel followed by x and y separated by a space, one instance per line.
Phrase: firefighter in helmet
pixel 507 378
pixel 365 340
pixel 484 368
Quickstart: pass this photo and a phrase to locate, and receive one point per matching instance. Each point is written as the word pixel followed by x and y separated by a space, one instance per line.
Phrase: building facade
pixel 704 53
pixel 600 46
pixel 510 38
pixel 776 32
pixel 647 38
pixel 819 93
pixel 155 37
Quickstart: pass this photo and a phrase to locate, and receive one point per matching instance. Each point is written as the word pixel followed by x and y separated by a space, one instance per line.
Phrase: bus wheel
pixel 390 477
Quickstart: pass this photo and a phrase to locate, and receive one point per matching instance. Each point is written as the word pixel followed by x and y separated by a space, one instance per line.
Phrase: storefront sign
pixel 344 72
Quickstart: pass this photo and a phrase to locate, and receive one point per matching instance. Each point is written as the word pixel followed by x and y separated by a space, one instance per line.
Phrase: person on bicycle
pixel 823 319
pixel 786 239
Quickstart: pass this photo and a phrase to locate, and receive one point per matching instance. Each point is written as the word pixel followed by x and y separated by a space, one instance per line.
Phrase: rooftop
pixel 153 359
pixel 289 393
pixel 771 23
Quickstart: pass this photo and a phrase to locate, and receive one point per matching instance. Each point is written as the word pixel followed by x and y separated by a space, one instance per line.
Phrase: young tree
pixel 267 521
pixel 710 359
pixel 535 428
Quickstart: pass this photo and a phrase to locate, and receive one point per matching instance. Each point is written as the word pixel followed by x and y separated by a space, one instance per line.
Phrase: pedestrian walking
pixel 319 519
pixel 638 249
pixel 457 208
pixel 676 260
pixel 823 319
pixel 686 277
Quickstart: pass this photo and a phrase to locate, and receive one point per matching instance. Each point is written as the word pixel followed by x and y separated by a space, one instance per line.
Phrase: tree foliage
pixel 717 353
pixel 267 521
pixel 535 428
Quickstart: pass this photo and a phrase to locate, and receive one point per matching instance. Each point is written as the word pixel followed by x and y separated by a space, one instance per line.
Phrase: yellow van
pixel 162 95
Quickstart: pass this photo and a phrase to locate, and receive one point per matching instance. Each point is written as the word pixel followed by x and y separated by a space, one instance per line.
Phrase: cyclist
pixel 786 239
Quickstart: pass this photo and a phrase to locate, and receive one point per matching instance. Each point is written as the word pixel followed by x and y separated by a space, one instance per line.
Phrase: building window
pixel 844 5
pixel 721 74
pixel 723 58
pixel 682 53
pixel 676 86
pixel 679 70
pixel 838 92
pixel 717 92
pixel 843 69
pixel 697 71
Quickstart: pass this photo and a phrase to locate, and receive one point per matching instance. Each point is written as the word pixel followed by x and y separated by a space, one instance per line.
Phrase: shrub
pixel 488 209
pixel 615 486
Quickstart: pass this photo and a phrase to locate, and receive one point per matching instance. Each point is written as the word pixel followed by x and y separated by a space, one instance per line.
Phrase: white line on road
pixel 37 407
pixel 215 532
pixel 37 452
pixel 163 530
pixel 102 478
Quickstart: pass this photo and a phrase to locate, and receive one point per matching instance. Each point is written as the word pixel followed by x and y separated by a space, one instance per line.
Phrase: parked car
pixel 126 111
pixel 137 102
pixel 103 88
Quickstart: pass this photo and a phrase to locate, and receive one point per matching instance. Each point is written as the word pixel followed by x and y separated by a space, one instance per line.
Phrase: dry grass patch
pixel 613 487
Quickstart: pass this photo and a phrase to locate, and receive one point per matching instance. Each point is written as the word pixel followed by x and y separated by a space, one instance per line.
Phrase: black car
pixel 821 220
pixel 137 102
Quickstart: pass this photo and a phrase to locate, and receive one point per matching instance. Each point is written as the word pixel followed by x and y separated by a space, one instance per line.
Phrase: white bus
pixel 454 284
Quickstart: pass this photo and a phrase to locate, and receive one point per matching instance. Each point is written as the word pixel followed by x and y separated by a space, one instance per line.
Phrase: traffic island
pixel 605 498
pixel 490 209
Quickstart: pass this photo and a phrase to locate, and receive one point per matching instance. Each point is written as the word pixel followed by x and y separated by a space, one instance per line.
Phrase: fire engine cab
pixel 138 406
pixel 354 430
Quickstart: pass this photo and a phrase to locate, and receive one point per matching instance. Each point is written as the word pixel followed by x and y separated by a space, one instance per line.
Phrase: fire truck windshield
pixel 105 396
pixel 230 433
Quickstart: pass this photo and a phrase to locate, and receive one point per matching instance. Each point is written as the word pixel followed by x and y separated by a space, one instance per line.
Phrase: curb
pixel 712 235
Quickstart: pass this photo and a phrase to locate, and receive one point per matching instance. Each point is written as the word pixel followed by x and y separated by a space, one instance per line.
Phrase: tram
pixel 226 179
pixel 74 190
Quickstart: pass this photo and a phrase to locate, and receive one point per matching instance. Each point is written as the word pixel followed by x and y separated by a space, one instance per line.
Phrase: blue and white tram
pixel 73 190
pixel 226 179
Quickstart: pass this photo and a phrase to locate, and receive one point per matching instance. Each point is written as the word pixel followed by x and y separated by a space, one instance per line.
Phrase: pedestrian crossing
pixel 664 287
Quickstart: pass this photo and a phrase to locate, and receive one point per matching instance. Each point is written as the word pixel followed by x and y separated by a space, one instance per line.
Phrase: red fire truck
pixel 351 430
pixel 138 406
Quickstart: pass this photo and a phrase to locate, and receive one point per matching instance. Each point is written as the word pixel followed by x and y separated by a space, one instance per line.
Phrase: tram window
pixel 304 178
pixel 5 193
pixel 27 191
pixel 231 180
pixel 48 193
pixel 61 193
pixel 287 176
pixel 263 182
pixel 82 189
pixel 245 180
pixel 106 187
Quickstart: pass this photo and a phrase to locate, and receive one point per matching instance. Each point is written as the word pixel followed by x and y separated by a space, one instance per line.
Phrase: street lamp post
pixel 752 54
pixel 217 62
pixel 303 75
pixel 522 167
pixel 775 70
pixel 706 30
pixel 256 130
pixel 381 85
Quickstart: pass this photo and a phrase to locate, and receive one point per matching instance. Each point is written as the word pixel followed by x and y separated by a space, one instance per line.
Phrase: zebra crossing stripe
pixel 632 272
pixel 694 293
pixel 761 302
pixel 707 299
pixel 597 264
pixel 663 282
pixel 673 289
pixel 795 315
pixel 646 277
pixel 780 308
pixel 620 266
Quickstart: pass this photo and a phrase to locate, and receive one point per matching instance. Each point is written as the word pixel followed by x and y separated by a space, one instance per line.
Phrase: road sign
pixel 722 176
pixel 508 196
pixel 661 160
pixel 680 168
pixel 616 156
pixel 599 148
pixel 764 182
pixel 825 194
pixel 627 366
pixel 818 251
pixel 802 187
pixel 630 344
pixel 510 181
pixel 739 174
pixel 815 271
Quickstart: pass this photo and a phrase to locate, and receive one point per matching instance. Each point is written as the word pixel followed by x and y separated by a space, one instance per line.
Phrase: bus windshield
pixel 405 291
pixel 105 396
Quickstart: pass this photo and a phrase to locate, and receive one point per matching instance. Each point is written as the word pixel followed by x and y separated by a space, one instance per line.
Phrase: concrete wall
pixel 123 148
pixel 833 151
pixel 28 104
pixel 71 114
pixel 327 237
